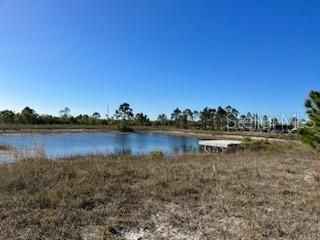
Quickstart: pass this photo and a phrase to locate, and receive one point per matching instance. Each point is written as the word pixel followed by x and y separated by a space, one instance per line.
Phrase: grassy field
pixel 270 192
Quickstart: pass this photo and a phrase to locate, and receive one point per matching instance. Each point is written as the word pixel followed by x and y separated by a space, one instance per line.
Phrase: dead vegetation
pixel 245 195
pixel 5 148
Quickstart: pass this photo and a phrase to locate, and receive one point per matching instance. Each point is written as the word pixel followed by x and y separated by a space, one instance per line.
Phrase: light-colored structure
pixel 219 145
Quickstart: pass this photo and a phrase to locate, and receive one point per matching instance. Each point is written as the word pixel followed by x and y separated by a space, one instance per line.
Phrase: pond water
pixel 67 144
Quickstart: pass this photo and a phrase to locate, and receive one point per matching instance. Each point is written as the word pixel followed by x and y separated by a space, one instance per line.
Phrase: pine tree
pixel 310 134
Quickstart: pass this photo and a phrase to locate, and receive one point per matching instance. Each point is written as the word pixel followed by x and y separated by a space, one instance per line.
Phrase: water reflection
pixel 64 144
pixel 122 151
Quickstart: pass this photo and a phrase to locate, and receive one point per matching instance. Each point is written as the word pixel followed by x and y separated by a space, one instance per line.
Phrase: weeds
pixel 242 195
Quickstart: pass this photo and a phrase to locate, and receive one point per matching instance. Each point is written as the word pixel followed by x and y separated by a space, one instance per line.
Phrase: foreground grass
pixel 245 195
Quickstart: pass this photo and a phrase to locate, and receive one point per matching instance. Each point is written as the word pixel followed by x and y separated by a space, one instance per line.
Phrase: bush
pixel 156 154
pixel 5 147
pixel 125 129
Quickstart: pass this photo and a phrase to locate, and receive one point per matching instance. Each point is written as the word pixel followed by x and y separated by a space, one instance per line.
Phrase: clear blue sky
pixel 255 55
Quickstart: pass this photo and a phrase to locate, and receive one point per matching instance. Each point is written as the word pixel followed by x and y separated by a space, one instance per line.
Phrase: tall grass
pixel 242 195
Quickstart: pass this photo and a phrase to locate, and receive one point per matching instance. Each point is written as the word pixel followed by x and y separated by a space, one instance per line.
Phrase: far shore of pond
pixel 203 134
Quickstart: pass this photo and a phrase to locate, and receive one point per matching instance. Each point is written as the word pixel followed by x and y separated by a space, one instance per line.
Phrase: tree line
pixel 30 116
pixel 220 118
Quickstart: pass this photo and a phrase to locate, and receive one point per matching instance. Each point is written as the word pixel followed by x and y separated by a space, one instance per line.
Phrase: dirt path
pixel 219 136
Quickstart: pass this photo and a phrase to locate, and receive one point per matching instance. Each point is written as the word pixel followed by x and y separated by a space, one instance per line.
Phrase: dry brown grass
pixel 269 194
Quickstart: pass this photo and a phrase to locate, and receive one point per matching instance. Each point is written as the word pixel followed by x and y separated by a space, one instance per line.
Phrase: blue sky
pixel 255 55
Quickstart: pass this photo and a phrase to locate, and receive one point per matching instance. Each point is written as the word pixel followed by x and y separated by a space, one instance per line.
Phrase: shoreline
pixel 201 134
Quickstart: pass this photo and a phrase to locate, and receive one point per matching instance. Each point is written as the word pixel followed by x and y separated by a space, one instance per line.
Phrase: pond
pixel 68 144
